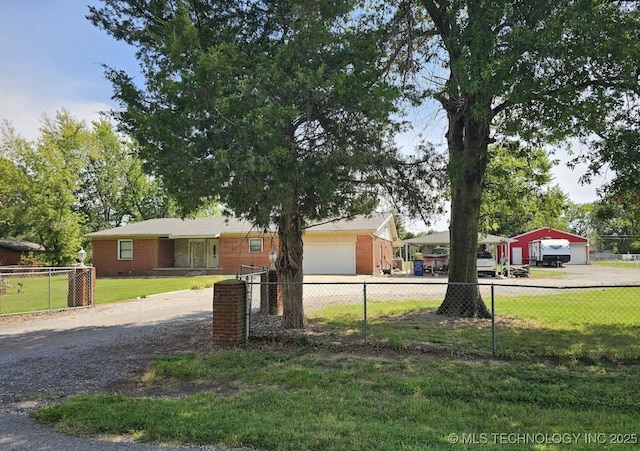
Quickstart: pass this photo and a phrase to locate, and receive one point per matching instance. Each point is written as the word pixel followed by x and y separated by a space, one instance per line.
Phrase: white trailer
pixel 549 252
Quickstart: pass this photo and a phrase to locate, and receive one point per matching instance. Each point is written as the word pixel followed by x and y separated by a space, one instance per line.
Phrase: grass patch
pixel 585 325
pixel 409 325
pixel 550 273
pixel 298 400
pixel 34 293
pixel 112 290
pixel 618 264
pixel 43 292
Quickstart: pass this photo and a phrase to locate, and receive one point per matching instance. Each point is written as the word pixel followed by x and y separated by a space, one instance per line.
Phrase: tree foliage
pixel 13 196
pixel 617 229
pixel 278 109
pixel 72 179
pixel 518 193
pixel 44 213
pixel 112 187
pixel 580 219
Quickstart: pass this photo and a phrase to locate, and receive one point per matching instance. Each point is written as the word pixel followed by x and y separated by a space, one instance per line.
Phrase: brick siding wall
pixel 382 255
pixel 166 251
pixel 145 258
pixel 151 254
pixel 364 255
pixel 235 252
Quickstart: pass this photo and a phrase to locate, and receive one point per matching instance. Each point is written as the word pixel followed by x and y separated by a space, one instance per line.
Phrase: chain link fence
pixel 39 289
pixel 583 323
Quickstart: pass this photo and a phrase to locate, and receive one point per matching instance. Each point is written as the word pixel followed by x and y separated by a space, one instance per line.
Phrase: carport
pixel 443 239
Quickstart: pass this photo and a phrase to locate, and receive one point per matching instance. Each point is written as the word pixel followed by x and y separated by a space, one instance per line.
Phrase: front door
pixel 197 253
pixel 214 257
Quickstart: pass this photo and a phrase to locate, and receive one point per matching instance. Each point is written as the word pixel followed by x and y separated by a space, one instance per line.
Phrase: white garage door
pixel 578 254
pixel 329 259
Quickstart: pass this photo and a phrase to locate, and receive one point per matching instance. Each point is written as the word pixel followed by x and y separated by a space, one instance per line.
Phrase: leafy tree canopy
pixel 518 193
pixel 74 178
pixel 279 110
pixel 540 71
pixel 271 107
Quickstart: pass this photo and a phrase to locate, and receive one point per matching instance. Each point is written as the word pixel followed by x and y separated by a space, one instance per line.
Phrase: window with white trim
pixel 125 249
pixel 255 245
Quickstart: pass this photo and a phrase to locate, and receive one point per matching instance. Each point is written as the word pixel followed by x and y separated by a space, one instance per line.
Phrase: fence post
pixel 493 321
pixel 364 313
pixel 49 289
pixel 264 293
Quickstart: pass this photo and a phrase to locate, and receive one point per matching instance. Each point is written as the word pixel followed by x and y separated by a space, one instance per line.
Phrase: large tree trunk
pixel 467 140
pixel 289 268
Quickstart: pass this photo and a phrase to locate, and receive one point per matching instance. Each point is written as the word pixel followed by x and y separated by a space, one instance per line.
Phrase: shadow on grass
pixel 515 338
pixel 591 343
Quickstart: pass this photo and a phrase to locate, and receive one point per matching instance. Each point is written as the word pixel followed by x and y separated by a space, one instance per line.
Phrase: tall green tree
pixel 616 227
pixel 14 183
pixel 580 220
pixel 53 166
pixel 113 188
pixel 74 178
pixel 277 109
pixel 518 192
pixel 539 70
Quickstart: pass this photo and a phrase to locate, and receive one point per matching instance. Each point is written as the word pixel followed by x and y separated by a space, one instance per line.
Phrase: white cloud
pixel 24 103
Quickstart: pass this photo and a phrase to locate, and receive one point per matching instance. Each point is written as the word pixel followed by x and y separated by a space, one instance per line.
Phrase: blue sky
pixel 51 58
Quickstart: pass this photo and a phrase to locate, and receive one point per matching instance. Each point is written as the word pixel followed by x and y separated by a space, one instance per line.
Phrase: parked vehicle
pixel 549 252
pixel 487 265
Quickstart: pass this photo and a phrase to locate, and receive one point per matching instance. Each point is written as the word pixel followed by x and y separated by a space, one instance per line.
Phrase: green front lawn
pixel 301 399
pixel 445 393
pixel 619 264
pixel 41 292
pixel 587 325
pixel 112 290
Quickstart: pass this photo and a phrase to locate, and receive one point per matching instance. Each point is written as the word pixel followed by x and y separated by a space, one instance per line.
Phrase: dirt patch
pixel 429 317
pixel 267 335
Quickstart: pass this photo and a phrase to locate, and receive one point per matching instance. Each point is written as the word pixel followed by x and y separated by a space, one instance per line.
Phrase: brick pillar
pixel 264 293
pixel 229 312
pixel 275 294
pixel 81 287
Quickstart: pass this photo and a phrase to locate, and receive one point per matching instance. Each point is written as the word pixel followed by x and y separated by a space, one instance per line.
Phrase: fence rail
pixel 39 289
pixel 587 323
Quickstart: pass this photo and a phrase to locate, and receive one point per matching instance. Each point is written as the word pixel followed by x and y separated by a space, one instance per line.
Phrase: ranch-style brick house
pixel 219 246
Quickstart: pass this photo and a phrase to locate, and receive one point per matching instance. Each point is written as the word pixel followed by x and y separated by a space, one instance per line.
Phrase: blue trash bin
pixel 418 268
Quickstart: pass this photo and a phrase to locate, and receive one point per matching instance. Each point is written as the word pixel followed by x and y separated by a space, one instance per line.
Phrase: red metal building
pixel 520 248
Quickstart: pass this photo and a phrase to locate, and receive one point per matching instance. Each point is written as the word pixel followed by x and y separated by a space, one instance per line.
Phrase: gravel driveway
pixel 50 357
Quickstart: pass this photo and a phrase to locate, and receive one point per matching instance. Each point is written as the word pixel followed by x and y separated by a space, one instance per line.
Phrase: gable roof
pixel 443 238
pixel 536 232
pixel 214 227
pixel 176 228
pixel 20 245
